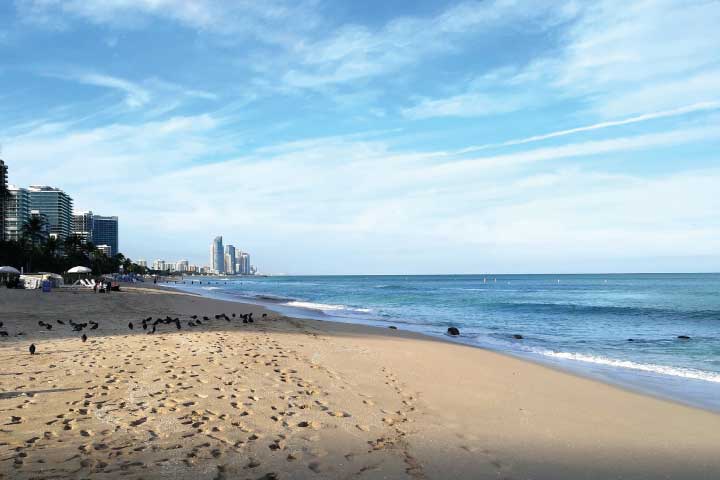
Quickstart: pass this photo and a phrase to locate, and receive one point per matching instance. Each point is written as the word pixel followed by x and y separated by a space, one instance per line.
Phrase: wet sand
pixel 290 398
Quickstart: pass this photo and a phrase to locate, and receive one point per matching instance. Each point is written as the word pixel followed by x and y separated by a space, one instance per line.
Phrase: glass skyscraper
pixel 230 260
pixel 57 207
pixel 17 212
pixel 217 257
pixel 105 232
pixel 3 197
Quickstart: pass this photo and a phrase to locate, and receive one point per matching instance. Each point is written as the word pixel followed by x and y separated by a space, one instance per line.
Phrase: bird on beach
pixel 264 315
pixel 1 324
pixel 198 322
pixel 41 323
pixel 61 322
pixel 194 317
pixel 3 334
pixel 130 325
pixel 206 318
pixel 233 315
pixel 149 319
pixel 84 338
pixel 32 349
pixel 95 325
pixel 153 330
pixel 177 323
pixel 48 326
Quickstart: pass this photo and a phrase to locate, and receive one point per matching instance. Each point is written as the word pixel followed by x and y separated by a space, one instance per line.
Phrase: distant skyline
pixel 377 137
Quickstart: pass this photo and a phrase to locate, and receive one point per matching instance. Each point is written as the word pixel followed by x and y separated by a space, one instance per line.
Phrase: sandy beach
pixel 291 398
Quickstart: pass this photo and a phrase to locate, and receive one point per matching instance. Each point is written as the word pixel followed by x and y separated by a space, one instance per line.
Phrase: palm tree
pixel 74 244
pixel 33 231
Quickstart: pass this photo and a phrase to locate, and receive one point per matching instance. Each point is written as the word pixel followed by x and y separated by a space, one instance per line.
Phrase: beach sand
pixel 290 398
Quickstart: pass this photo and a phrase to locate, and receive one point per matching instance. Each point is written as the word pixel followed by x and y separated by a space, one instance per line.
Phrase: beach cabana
pixel 8 274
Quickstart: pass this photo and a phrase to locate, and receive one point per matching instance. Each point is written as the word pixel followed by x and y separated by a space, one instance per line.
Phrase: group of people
pixel 102 286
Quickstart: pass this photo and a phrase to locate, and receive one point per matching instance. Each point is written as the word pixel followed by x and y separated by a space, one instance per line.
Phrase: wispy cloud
pixel 694 108
pixel 136 96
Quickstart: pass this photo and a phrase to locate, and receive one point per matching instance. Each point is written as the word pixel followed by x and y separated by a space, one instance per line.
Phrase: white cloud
pixel 694 108
pixel 268 21
pixel 136 96
pixel 619 58
pixel 634 57
pixel 466 105
pixel 356 52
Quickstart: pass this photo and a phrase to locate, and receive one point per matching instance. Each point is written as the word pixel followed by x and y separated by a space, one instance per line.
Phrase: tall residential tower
pixel 3 197
pixel 57 207
pixel 230 260
pixel 217 258
pixel 17 212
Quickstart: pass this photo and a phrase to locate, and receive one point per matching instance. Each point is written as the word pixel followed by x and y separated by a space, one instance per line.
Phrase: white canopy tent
pixel 80 270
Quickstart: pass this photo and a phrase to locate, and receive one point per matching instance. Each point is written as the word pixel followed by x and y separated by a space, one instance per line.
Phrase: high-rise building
pixel 244 263
pixel 17 212
pixel 141 263
pixel 97 229
pixel 83 225
pixel 159 265
pixel 217 258
pixel 105 232
pixel 57 207
pixel 3 196
pixel 230 260
pixel 182 266
pixel 106 249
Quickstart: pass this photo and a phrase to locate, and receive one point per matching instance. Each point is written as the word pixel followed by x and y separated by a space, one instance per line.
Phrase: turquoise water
pixel 578 322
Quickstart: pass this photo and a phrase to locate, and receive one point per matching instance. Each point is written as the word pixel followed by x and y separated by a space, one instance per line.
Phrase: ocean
pixel 580 323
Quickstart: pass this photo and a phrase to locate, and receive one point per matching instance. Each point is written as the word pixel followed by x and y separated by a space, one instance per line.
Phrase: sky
pixel 377 137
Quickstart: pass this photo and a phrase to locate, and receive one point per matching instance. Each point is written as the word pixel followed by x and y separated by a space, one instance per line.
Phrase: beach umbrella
pixel 79 270
pixel 9 270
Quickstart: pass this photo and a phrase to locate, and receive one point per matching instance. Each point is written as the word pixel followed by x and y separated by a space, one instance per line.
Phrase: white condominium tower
pixel 217 258
pixel 230 260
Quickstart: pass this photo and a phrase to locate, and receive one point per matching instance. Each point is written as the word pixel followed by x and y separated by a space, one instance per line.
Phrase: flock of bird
pixel 147 323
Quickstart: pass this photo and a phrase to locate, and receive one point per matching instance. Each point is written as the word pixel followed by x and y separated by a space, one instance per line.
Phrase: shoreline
pixel 310 399
pixel 686 391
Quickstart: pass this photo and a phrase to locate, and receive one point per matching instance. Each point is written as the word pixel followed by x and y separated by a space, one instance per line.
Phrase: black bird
pixel 198 322
pixel 194 317
pixel 152 331
pixel 41 323
pixel 1 324
pixel 264 315
pixel 48 326
pixel 191 324
pixel 250 319
pixel 217 317
pixel 3 334
pixel 84 338
pixel 95 325
pixel 206 318
pixel 233 315
pixel 130 326
pixel 149 319
pixel 32 349
pixel 61 322
pixel 144 325
pixel 177 323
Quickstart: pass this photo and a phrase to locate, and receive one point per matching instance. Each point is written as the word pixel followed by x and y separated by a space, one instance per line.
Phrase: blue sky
pixel 377 137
